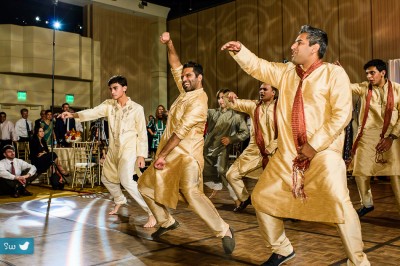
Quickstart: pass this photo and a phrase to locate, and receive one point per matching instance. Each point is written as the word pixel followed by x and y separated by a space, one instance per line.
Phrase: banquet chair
pixel 83 164
pixel 23 150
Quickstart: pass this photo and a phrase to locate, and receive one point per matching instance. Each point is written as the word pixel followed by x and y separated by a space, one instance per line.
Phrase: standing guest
pixel 177 169
pixel 127 143
pixel 23 127
pixel 40 155
pixel 150 132
pixel 7 132
pixel 47 124
pixel 13 181
pixel 63 125
pixel 262 141
pixel 306 178
pixel 225 128
pixel 376 148
pixel 78 124
pixel 42 118
pixel 160 123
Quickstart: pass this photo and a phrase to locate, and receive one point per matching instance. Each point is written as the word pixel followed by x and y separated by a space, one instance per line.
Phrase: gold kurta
pixel 364 159
pixel 187 118
pixel 327 107
pixel 250 161
pixel 128 136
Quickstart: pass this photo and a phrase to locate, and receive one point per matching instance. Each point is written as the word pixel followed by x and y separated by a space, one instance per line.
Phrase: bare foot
pixel 151 222
pixel 115 210
pixel 213 193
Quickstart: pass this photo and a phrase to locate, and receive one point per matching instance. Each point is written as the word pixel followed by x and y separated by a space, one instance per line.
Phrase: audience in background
pixel 23 127
pixel 7 132
pixel 47 125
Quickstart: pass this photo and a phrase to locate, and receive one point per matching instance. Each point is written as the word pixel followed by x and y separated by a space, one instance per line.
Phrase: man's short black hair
pixel 8 147
pixel 64 104
pixel 24 110
pixel 121 80
pixel 315 36
pixel 378 63
pixel 197 68
pixel 3 113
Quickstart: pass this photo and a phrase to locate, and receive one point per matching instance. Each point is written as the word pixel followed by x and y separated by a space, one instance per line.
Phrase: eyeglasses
pixel 379 158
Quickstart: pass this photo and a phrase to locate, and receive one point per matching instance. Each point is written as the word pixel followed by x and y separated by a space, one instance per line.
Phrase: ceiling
pixel 181 8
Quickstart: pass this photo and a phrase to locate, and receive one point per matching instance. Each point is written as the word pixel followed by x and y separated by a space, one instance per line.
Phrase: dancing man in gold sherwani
pixel 177 170
pixel 376 148
pixel 262 141
pixel 128 143
pixel 306 177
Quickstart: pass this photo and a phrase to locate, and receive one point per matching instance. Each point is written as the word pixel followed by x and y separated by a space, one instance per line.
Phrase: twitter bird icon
pixel 25 246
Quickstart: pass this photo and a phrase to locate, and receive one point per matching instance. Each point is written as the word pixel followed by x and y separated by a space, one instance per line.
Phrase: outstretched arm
pixel 173 57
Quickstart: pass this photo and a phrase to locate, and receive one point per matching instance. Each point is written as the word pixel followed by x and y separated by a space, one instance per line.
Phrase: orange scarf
pixel 258 134
pixel 299 132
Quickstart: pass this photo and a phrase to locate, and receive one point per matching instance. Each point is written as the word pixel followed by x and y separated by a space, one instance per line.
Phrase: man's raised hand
pixel 233 46
pixel 165 37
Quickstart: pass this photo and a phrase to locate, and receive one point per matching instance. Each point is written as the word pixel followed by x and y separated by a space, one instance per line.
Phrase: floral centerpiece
pixel 72 136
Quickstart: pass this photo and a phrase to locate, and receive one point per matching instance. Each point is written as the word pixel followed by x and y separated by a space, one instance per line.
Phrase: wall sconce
pixel 69 98
pixel 142 4
pixel 21 95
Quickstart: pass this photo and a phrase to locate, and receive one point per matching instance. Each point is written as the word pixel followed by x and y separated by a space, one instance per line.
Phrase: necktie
pixel 27 128
pixel 12 168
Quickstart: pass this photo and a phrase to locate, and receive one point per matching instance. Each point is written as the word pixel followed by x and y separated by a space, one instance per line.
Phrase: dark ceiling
pixel 181 8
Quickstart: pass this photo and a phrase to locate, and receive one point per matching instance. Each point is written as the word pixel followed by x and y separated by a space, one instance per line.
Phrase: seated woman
pixel 40 155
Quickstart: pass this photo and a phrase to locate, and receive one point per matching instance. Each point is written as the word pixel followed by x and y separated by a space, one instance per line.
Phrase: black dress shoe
pixel 243 205
pixel 26 193
pixel 364 210
pixel 228 243
pixel 162 230
pixel 16 194
pixel 276 259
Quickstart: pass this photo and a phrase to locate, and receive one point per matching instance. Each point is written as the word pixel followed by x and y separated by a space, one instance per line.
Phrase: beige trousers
pixel 235 179
pixel 364 188
pixel 273 232
pixel 190 193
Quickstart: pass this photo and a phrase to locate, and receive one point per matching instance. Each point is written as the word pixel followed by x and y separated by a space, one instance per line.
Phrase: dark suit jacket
pixel 61 128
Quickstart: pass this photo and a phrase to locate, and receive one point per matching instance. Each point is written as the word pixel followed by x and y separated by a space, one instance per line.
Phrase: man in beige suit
pixel 177 170
pixel 306 177
pixel 263 136
pixel 128 143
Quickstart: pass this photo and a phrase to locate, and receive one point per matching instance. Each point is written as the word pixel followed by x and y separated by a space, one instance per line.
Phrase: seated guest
pixel 12 180
pixel 40 155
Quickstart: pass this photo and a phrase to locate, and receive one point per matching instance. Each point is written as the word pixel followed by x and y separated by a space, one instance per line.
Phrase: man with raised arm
pixel 306 177
pixel 177 170
pixel 127 143
pixel 262 144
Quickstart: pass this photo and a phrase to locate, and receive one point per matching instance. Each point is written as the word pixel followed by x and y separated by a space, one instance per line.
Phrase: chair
pixel 23 150
pixel 83 163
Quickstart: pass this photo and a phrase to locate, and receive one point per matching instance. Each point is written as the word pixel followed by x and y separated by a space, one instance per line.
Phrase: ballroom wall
pixel 358 31
pixel 26 59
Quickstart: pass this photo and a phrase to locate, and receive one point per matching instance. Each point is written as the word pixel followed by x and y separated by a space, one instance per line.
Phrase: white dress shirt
pixel 7 131
pixel 20 128
pixel 19 166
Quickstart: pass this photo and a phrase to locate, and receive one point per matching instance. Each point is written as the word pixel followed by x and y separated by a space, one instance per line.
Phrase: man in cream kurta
pixel 327 108
pixel 249 162
pixel 176 172
pixel 370 143
pixel 225 127
pixel 127 142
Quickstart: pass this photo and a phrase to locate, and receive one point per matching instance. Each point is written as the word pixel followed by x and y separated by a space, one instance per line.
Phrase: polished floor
pixel 78 231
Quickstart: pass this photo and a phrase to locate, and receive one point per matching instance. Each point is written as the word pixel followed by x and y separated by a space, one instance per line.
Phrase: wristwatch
pixel 393 137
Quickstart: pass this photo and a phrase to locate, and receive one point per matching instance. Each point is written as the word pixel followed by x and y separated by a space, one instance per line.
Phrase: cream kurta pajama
pixel 128 140
pixel 364 159
pixel 226 123
pixel 327 108
pixel 181 177
pixel 249 162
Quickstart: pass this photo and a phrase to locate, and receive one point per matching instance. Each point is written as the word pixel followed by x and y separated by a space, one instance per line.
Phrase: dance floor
pixel 78 231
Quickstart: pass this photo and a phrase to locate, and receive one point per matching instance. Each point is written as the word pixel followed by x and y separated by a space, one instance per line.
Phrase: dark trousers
pixel 9 187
